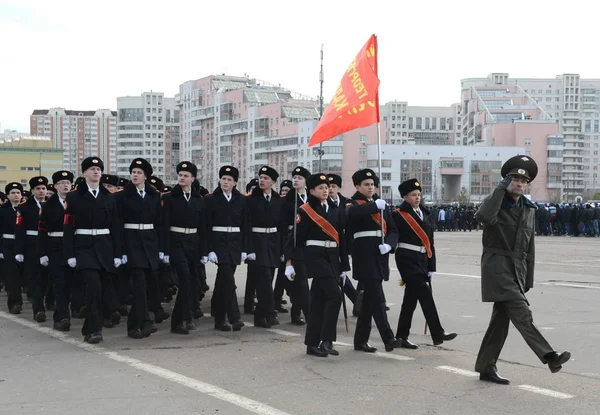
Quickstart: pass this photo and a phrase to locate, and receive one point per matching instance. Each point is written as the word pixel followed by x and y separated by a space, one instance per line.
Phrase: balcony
pixel 551 185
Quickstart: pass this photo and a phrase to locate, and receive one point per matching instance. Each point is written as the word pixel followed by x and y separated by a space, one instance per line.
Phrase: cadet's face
pixel 320 192
pixel 413 198
pixel 284 191
pixel 517 186
pixel 227 183
pixel 299 182
pixel 366 188
pixel 333 189
pixel 110 187
pixel 185 179
pixel 15 196
pixel 63 187
pixel 137 176
pixel 93 174
pixel 39 192
pixel 265 182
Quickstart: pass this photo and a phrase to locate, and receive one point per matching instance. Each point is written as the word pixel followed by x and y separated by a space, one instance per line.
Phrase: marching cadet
pixel 415 259
pixel 265 207
pixel 110 182
pixel 298 288
pixel 507 265
pixel 12 271
pixel 370 257
pixel 281 282
pixel 139 207
pixel 250 289
pixel 335 197
pixel 228 227
pixel 51 252
pixel 122 183
pixel 92 242
pixel 184 246
pixel 319 233
pixel 26 238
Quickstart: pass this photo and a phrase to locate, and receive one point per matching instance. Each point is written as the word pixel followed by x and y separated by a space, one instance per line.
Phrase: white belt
pixel 8 236
pixel 365 234
pixel 55 234
pixel 31 233
pixel 416 248
pixel 183 230
pixel 139 226
pixel 264 230
pixel 92 232
pixel 324 244
pixel 227 229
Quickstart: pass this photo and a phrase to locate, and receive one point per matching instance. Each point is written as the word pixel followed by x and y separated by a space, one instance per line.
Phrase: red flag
pixel 356 101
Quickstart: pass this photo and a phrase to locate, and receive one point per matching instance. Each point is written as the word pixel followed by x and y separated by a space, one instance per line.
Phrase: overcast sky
pixel 83 55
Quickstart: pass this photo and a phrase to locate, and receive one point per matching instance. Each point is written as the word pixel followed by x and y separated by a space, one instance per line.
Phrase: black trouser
pixel 281 284
pixel 122 285
pixel 264 291
pixel 12 278
pixel 153 291
pixel 299 293
pixel 97 284
pixel 138 315
pixel 519 313
pixel 418 291
pixel 350 291
pixel 33 276
pixel 373 308
pixel 250 291
pixel 77 291
pixel 62 280
pixel 110 298
pixel 325 303
pixel 195 285
pixel 224 298
pixel 182 311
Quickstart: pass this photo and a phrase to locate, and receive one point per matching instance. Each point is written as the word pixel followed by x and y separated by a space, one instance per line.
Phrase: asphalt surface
pixel 267 371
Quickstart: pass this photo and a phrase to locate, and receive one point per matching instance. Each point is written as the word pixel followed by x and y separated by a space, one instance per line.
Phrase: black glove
pixel 504 183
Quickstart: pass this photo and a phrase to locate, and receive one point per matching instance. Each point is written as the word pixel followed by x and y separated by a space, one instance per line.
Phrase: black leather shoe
pixel 63 325
pixel 237 325
pixel 179 329
pixel 198 314
pixel 365 347
pixel 280 309
pixel 222 326
pixel 16 309
pixel 161 316
pixel 135 334
pixel 94 338
pixel 148 329
pixel 327 347
pixel 493 377
pixel 315 351
pixel 274 321
pixel 407 344
pixel 445 337
pixel 298 321
pixel 115 318
pixel 262 322
pixel 394 344
pixel 556 361
pixel 40 317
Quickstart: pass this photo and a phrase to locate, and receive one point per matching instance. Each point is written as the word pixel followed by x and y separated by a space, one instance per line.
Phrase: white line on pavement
pixel 547 392
pixel 276 331
pixel 546 328
pixel 458 371
pixel 458 275
pixel 561 284
pixel 557 284
pixel 197 385
pixel 391 356
pixel 343 344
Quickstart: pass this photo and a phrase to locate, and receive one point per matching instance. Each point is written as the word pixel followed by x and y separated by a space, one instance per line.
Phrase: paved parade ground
pixel 267 371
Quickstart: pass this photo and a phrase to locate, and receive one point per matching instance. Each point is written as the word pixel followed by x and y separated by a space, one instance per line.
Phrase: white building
pixel 421 125
pixel 575 104
pixel 446 173
pixel 148 127
pixel 80 133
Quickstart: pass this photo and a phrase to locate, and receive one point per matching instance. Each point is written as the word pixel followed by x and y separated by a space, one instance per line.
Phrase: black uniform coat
pixel 319 261
pixel 341 199
pixel 413 265
pixel 8 223
pixel 183 214
pixel 86 212
pixel 228 246
pixel 141 246
pixel 289 216
pixel 29 213
pixel 263 214
pixel 367 262
pixel 51 220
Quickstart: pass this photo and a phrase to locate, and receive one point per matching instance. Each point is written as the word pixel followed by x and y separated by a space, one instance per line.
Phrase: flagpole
pixel 321 78
pixel 380 177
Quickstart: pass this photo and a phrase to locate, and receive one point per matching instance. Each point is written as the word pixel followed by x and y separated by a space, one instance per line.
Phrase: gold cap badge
pixel 95 161
pixel 64 173
pixel 184 165
pixel 369 174
pixel 323 177
pixel 40 180
pixel 417 184
pixel 138 162
pixel 264 169
pixel 227 169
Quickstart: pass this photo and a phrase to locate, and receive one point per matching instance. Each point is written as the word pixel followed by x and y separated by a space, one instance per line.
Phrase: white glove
pixel 384 249
pixel 124 259
pixel 165 259
pixel 1 255
pixel 430 275
pixel 117 262
pixel 19 258
pixel 282 258
pixel 380 204
pixel 161 255
pixel 72 262
pixel 289 272
pixel 244 256
pixel 204 260
pixel 343 277
pixel 252 257
pixel 212 257
pixel 44 261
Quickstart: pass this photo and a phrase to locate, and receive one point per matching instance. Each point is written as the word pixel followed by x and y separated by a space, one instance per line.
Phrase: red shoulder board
pixel 69 220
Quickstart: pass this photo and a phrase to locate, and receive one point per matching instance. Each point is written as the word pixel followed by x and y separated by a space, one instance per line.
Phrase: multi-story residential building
pixel 148 126
pixel 447 174
pixel 248 123
pixel 422 125
pixel 574 103
pixel 23 156
pixel 80 134
pixel 505 115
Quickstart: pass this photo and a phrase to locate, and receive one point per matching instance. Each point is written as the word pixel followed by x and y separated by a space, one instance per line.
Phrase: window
pixel 386 176
pixel 363 138
pixel 362 152
pixel 528 141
